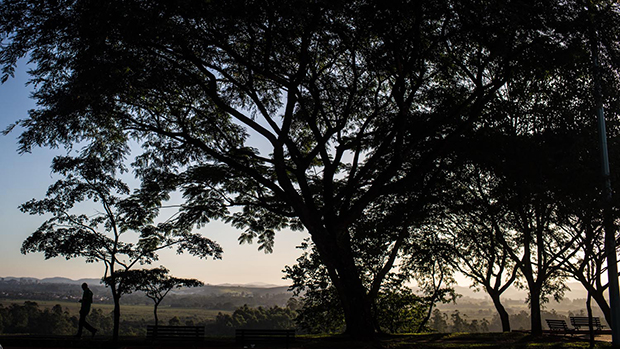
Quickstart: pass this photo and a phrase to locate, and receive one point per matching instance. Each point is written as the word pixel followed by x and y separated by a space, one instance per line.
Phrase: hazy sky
pixel 27 176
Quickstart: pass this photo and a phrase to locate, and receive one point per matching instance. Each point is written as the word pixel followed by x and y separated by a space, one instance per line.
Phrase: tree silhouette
pixel 103 237
pixel 470 225
pixel 156 284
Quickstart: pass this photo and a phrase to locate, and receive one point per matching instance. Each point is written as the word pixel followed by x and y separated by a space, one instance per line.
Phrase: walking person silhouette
pixel 87 300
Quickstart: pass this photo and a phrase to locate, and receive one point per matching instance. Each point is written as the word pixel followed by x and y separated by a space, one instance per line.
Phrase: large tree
pixel 350 101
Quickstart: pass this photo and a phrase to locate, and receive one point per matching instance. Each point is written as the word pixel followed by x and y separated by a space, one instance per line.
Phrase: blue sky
pixel 27 176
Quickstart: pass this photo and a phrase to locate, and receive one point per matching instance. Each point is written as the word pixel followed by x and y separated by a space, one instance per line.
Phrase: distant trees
pixel 29 318
pixel 103 237
pixel 245 317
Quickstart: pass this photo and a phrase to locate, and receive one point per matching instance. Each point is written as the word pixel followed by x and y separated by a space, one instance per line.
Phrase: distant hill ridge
pixel 577 291
pixel 53 280
pixel 64 280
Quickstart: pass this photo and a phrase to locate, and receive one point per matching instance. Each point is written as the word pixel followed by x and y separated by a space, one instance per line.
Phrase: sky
pixel 27 176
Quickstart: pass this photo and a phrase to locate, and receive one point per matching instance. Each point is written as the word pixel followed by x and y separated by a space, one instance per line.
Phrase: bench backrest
pixel 555 325
pixel 176 332
pixel 584 321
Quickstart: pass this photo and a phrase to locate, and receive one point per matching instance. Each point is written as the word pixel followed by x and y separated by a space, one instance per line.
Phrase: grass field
pixel 131 312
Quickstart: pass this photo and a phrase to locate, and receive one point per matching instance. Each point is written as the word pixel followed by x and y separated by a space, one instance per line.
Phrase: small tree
pixel 157 283
pixel 101 237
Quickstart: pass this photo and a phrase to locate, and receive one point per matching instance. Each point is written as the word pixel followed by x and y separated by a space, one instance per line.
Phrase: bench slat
pixel 559 326
pixel 584 321
pixel 175 332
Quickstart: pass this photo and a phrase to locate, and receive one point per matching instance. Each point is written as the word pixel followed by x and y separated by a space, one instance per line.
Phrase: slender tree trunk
pixel 589 309
pixel 599 298
pixel 155 313
pixel 501 311
pixel 116 314
pixel 426 318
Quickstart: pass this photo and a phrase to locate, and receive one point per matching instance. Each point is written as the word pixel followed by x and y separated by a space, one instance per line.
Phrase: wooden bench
pixel 195 333
pixel 559 326
pixel 256 337
pixel 584 321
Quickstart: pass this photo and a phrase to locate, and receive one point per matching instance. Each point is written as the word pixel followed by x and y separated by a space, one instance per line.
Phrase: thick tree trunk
pixel 501 311
pixel 357 308
pixel 155 313
pixel 536 319
pixel 337 257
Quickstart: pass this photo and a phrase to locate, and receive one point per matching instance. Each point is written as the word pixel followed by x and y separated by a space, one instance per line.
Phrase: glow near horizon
pixel 27 176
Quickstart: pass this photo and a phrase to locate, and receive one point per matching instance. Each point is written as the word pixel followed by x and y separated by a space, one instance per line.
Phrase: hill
pixel 226 297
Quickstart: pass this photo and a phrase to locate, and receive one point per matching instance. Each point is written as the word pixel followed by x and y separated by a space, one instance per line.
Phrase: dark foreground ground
pixel 512 340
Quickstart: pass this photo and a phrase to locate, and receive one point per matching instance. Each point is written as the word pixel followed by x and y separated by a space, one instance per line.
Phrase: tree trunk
pixel 590 327
pixel 536 320
pixel 501 311
pixel 337 257
pixel 426 318
pixel 599 298
pixel 116 316
pixel 356 305
pixel 155 313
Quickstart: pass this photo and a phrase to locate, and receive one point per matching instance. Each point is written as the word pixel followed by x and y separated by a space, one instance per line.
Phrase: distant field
pixel 130 312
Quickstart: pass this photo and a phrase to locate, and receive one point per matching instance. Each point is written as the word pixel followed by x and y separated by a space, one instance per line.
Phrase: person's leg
pixel 89 327
pixel 81 324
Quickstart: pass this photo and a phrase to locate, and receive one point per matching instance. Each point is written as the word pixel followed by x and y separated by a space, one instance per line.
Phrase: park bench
pixel 195 333
pixel 584 321
pixel 559 326
pixel 257 337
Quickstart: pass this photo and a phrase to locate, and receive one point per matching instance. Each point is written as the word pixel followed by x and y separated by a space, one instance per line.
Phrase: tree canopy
pixel 156 283
pixel 357 106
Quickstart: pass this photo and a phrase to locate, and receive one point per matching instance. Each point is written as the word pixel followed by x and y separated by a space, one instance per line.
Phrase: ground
pixel 514 340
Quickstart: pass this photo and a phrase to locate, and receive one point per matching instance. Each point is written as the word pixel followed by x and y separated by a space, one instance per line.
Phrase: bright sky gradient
pixel 27 176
